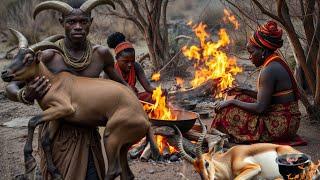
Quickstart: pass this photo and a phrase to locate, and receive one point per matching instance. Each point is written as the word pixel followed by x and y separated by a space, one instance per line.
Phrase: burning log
pixel 205 89
pixel 146 153
pixel 137 149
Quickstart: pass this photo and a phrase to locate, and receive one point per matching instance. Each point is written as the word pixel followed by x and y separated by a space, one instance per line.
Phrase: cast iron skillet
pixel 185 121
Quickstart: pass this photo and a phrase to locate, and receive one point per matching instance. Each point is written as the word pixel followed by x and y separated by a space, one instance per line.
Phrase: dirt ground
pixel 12 140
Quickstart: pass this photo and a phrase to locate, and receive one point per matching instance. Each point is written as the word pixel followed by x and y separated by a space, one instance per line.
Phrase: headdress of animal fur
pixel 66 9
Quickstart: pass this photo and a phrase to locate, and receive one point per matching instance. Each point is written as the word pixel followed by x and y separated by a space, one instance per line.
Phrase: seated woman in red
pixel 128 68
pixel 272 113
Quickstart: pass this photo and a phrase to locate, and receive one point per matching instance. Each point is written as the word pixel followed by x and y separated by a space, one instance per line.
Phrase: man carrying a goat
pixel 76 150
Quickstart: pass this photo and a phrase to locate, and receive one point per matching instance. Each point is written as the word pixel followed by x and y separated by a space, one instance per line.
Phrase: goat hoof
pixel 30 164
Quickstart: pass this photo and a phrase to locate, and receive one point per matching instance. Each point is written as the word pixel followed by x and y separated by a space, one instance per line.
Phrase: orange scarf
pixel 130 79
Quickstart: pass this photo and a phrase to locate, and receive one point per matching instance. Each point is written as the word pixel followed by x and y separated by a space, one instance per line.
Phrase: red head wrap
pixel 122 46
pixel 268 36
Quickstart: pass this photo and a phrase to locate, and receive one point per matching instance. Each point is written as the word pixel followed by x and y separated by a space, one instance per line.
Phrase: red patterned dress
pixel 280 122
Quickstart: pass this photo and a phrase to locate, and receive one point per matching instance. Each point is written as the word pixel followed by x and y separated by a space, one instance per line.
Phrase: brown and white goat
pixel 89 102
pixel 241 162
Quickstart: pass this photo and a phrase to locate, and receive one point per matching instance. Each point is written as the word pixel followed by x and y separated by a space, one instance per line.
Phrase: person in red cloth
pixel 271 114
pixel 128 68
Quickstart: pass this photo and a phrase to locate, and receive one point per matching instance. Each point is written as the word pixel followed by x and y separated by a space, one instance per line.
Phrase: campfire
pixel 210 61
pixel 164 145
pixel 159 110
pixel 163 119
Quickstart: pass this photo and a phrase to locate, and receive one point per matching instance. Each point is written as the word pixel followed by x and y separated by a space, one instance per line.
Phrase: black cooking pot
pixel 292 164
pixel 185 120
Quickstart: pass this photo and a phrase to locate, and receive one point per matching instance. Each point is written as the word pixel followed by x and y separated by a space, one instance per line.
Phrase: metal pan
pixel 185 120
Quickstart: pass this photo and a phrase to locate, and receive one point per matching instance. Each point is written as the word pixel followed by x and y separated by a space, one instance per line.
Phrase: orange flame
pixel 159 110
pixel 231 18
pixel 210 61
pixel 156 76
pixel 179 81
pixel 163 144
pixel 309 172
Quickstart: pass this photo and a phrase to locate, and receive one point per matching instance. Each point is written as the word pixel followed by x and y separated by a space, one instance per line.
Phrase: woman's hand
pixel 222 104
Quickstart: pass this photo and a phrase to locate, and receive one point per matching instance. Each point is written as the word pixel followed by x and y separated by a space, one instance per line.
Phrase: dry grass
pixel 17 14
pixel 104 25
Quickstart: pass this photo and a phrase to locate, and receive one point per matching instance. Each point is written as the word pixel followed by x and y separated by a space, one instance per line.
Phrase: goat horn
pixel 44 45
pixel 201 139
pixel 62 7
pixel 181 149
pixel 90 4
pixel 23 42
pixel 54 38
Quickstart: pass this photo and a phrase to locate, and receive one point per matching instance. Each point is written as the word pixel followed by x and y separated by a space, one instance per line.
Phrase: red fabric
pixel 130 79
pixel 280 123
pixel 268 36
pixel 271 29
pixel 296 141
pixel 122 46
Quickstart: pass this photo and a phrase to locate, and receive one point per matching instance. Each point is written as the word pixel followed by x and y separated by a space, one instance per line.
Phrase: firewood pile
pixel 168 145
pixel 204 90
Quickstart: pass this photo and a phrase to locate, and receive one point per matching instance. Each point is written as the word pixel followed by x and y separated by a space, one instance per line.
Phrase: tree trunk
pixel 312 42
pixel 301 59
pixel 150 18
pixel 317 94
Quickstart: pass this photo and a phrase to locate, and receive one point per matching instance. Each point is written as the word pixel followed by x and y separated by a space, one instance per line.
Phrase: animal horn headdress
pixel 66 9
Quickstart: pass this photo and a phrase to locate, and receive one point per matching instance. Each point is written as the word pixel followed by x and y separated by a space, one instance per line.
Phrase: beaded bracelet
pixel 22 97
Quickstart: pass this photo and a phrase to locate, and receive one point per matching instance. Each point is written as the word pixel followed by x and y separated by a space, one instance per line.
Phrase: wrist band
pixel 22 97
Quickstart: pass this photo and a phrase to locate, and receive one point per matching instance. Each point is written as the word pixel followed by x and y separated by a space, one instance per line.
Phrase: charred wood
pixel 137 149
pixel 146 154
pixel 207 88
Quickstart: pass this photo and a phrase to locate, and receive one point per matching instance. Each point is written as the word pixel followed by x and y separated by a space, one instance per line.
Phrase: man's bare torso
pixel 55 63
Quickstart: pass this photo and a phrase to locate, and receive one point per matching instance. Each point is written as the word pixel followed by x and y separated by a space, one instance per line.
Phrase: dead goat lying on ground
pixel 84 101
pixel 241 162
